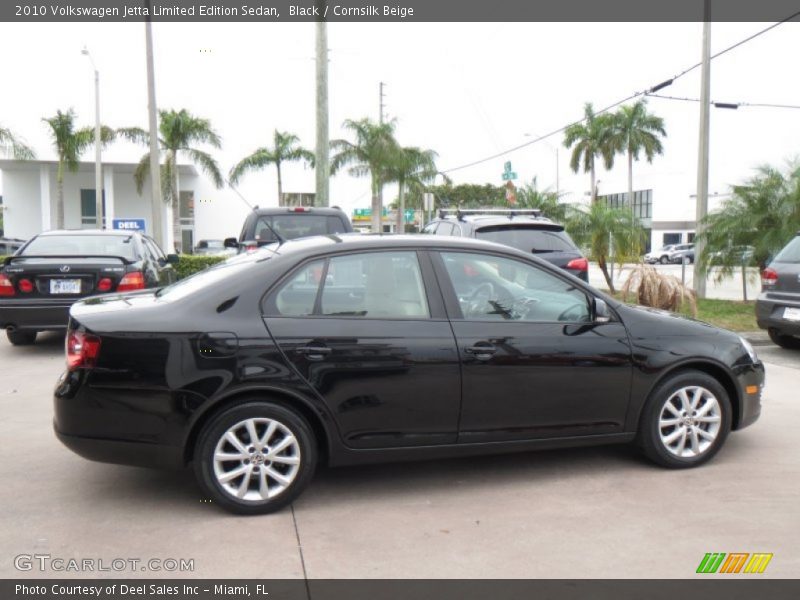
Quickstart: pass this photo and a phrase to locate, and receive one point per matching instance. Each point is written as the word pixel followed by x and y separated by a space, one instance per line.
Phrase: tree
pixel 411 168
pixel 634 130
pixel 284 149
pixel 763 212
pixel 372 154
pixel 591 138
pixel 178 132
pixel 18 149
pixel 465 195
pixel 595 227
pixel 530 196
pixel 69 144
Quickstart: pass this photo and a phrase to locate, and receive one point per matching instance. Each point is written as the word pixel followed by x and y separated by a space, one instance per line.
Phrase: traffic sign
pixel 509 175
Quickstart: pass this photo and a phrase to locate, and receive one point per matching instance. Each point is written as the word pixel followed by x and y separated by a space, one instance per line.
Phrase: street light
pixel 554 149
pixel 98 167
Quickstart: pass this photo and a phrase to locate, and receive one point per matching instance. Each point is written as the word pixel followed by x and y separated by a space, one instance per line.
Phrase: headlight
pixel 750 350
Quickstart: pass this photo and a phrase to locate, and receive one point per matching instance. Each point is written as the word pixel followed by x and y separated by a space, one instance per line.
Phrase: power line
pixel 727 104
pixel 649 91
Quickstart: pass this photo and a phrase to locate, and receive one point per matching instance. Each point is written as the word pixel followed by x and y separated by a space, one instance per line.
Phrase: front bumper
pixel 770 310
pixel 37 315
pixel 750 379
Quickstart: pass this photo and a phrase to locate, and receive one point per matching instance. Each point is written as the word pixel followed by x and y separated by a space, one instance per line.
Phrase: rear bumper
pixel 118 452
pixel 35 314
pixel 770 310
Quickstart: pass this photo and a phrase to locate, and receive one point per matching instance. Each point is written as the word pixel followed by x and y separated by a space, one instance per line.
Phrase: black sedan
pixel 365 349
pixel 40 282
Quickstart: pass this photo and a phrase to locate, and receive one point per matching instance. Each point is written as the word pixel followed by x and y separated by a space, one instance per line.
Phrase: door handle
pixel 481 350
pixel 313 352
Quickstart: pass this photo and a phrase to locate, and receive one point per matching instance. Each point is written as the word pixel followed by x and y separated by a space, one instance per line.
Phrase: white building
pixel 30 193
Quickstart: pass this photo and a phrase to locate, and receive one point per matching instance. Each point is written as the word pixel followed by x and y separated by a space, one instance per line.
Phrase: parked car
pixel 737 254
pixel 54 269
pixel 525 230
pixel 358 349
pixel 289 223
pixel 212 248
pixel 778 305
pixel 9 246
pixel 682 253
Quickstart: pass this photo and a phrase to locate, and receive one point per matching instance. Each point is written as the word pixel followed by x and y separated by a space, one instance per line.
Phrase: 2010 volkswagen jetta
pixel 380 348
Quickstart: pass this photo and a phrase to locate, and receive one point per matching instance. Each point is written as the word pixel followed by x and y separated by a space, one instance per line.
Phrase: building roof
pixel 83 166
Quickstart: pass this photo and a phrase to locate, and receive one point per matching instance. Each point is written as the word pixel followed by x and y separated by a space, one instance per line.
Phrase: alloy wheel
pixel 690 421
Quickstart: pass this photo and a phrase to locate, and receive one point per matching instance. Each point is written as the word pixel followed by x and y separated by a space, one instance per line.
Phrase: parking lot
pixel 595 513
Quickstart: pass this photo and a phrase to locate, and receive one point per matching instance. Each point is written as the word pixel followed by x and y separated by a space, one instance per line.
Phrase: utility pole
pixel 377 220
pixel 702 153
pixel 98 161
pixel 381 105
pixel 323 143
pixel 155 168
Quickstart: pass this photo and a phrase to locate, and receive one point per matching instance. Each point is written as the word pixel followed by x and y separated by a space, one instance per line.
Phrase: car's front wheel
pixel 21 337
pixel 685 421
pixel 664 260
pixel 255 458
pixel 784 341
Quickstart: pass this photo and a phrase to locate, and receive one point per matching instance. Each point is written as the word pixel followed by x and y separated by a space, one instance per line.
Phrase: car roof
pixel 109 232
pixel 494 220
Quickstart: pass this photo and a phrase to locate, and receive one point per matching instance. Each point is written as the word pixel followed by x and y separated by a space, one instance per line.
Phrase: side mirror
pixel 602 314
pixel 230 243
pixel 173 259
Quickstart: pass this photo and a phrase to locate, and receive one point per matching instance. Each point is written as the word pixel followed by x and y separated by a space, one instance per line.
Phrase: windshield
pixel 791 253
pixel 296 225
pixel 528 239
pixel 82 245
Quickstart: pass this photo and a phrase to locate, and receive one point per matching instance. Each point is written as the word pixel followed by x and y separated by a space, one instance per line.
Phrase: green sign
pixel 508 174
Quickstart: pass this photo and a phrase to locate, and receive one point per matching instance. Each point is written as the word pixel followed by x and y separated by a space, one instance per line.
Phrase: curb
pixel 757 338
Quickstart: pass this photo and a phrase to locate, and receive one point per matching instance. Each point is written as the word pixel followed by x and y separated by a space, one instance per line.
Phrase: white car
pixel 662 255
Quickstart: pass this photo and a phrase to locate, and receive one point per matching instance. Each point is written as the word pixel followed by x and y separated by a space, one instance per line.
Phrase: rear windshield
pixel 82 245
pixel 791 253
pixel 291 226
pixel 528 239
pixel 213 275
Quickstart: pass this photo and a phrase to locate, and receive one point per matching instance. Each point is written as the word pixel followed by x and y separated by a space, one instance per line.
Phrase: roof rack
pixel 511 212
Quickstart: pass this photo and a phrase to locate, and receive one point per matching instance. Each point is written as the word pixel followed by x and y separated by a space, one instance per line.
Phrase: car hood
pixel 643 321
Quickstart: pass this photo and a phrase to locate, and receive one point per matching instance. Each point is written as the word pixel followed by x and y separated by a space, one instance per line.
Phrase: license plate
pixel 65 286
pixel 791 314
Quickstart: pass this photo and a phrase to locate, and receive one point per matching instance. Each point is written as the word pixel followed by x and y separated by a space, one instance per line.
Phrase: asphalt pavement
pixel 594 512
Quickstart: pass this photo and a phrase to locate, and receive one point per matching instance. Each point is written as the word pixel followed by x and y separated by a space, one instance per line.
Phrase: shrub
pixel 190 264
pixel 657 290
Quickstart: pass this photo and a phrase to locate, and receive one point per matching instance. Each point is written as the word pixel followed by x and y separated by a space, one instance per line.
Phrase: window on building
pixel 690 237
pixel 642 202
pixel 89 208
pixel 671 238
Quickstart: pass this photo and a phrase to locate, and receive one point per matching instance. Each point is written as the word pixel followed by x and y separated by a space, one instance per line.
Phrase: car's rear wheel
pixel 255 458
pixel 664 259
pixel 784 341
pixel 21 337
pixel 685 421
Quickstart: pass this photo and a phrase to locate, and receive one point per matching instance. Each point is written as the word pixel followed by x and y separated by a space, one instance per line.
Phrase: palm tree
pixel 70 143
pixel 412 168
pixel 764 213
pixel 18 149
pixel 530 196
pixel 595 227
pixel 372 153
pixel 284 149
pixel 590 137
pixel 635 130
pixel 178 132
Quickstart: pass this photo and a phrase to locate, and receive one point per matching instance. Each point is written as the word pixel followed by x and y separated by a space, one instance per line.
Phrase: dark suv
pixel 525 230
pixel 778 305
pixel 289 222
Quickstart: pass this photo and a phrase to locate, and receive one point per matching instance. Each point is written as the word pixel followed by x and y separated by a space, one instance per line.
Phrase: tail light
pixel 131 281
pixel 769 277
pixel 25 286
pixel 300 209
pixel 6 287
pixel 82 350
pixel 578 264
pixel 104 284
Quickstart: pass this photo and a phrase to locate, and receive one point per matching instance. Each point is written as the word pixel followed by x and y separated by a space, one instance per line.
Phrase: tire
pixel 21 337
pixel 784 341
pixel 664 260
pixel 656 441
pixel 285 479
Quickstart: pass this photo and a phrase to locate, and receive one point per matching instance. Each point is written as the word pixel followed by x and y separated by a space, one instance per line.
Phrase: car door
pixel 369 333
pixel 535 363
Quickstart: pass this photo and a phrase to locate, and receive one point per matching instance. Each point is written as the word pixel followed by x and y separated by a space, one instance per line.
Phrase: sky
pixel 465 90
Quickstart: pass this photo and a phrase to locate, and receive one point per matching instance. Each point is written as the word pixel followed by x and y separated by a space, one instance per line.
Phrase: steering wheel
pixel 478 300
pixel 574 313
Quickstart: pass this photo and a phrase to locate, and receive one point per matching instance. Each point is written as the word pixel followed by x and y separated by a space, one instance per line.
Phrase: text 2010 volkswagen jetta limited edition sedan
pixel 359 349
